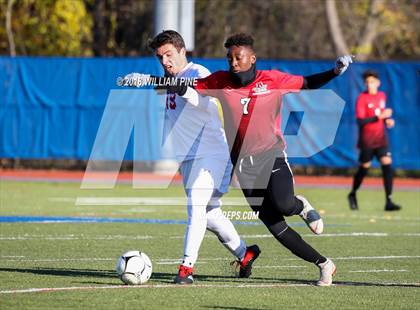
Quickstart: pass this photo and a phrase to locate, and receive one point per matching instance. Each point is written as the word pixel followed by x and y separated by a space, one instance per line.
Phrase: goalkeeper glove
pixel 342 63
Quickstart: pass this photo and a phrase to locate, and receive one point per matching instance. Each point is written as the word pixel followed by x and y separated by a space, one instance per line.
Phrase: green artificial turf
pixel 377 254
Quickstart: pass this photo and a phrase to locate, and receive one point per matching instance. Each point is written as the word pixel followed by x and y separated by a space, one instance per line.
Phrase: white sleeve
pixel 192 97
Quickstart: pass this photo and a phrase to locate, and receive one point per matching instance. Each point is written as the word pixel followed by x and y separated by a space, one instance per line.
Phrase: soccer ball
pixel 134 267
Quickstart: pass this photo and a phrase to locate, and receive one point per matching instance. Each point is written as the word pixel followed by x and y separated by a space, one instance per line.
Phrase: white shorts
pixel 220 169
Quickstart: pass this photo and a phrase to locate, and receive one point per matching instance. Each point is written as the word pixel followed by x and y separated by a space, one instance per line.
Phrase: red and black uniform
pixel 251 114
pixel 372 142
pixel 372 136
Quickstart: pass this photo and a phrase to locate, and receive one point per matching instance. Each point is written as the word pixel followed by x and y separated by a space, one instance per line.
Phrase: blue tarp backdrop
pixel 51 107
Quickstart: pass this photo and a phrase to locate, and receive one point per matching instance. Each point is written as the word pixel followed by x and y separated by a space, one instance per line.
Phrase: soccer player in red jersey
pixel 251 102
pixel 373 117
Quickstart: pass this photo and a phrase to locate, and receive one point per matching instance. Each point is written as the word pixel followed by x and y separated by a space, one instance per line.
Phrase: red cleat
pixel 245 265
pixel 185 275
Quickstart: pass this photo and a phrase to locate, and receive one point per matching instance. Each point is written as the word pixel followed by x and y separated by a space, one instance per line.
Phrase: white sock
pixel 220 225
pixel 198 197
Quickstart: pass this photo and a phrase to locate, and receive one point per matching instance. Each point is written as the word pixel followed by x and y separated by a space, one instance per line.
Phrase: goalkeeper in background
pixel 373 117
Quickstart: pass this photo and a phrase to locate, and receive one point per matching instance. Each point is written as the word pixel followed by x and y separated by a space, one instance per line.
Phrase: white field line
pixel 149 201
pixel 386 217
pixel 145 237
pixel 341 271
pixel 166 286
pixel 75 288
pixel 177 260
pixel 135 210
pixel 378 270
pixel 81 259
pixel 78 238
pixel 203 259
pixel 62 199
pixel 181 201
pixel 377 257
pixel 354 234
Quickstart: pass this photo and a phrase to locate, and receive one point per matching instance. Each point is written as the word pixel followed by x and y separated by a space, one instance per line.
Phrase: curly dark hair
pixel 165 37
pixel 240 39
pixel 369 73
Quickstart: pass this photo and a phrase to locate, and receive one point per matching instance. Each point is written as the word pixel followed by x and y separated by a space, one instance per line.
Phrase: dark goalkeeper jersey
pixel 251 113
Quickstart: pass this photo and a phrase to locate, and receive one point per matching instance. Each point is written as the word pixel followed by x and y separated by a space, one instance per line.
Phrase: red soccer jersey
pixel 371 135
pixel 252 112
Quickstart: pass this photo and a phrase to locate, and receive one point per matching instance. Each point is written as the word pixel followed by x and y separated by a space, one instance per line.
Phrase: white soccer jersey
pixel 195 131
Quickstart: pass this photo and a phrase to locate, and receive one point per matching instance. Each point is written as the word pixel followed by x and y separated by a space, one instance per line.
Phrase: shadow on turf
pixel 169 277
pixel 68 272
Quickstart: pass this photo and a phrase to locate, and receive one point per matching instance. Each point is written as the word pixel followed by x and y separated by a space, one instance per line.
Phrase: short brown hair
pixel 369 73
pixel 165 37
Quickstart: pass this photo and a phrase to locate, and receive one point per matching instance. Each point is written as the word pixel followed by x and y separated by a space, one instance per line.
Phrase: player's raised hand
pixel 342 63
pixel 134 80
pixel 390 123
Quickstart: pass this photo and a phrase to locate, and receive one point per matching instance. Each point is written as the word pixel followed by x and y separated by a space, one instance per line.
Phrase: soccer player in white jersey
pixel 203 153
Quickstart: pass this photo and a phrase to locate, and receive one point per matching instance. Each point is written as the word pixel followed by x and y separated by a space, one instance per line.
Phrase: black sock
pixel 387 175
pixel 299 206
pixel 358 178
pixel 294 242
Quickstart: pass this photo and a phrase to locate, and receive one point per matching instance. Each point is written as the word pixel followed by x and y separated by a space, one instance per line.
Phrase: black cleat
pixel 245 265
pixel 184 276
pixel 352 201
pixel 390 206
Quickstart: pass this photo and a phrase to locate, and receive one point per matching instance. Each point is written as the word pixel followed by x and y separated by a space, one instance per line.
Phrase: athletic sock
pixel 299 206
pixel 358 178
pixel 387 175
pixel 223 228
pixel 197 222
pixel 294 242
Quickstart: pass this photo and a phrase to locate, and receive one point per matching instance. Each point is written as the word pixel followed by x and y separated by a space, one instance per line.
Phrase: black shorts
pixel 366 155
pixel 267 183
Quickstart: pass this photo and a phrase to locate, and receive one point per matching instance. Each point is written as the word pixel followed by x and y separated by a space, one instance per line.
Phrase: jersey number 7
pixel 245 102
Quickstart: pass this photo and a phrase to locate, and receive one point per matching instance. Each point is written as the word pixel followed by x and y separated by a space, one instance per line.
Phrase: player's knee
pixel 386 160
pixel 215 202
pixel 278 229
pixel 287 205
pixel 200 197
pixel 366 165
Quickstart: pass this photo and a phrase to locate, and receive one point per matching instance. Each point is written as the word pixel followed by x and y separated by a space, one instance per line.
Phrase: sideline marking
pixel 70 219
pixel 146 237
pixel 268 285
pixel 149 201
pixel 168 260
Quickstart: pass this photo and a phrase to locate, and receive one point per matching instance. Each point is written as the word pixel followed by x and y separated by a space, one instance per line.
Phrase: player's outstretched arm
pixel 191 96
pixel 170 84
pixel 318 80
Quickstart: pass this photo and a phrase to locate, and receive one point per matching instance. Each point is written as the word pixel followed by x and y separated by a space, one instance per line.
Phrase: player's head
pixel 372 81
pixel 169 48
pixel 240 52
